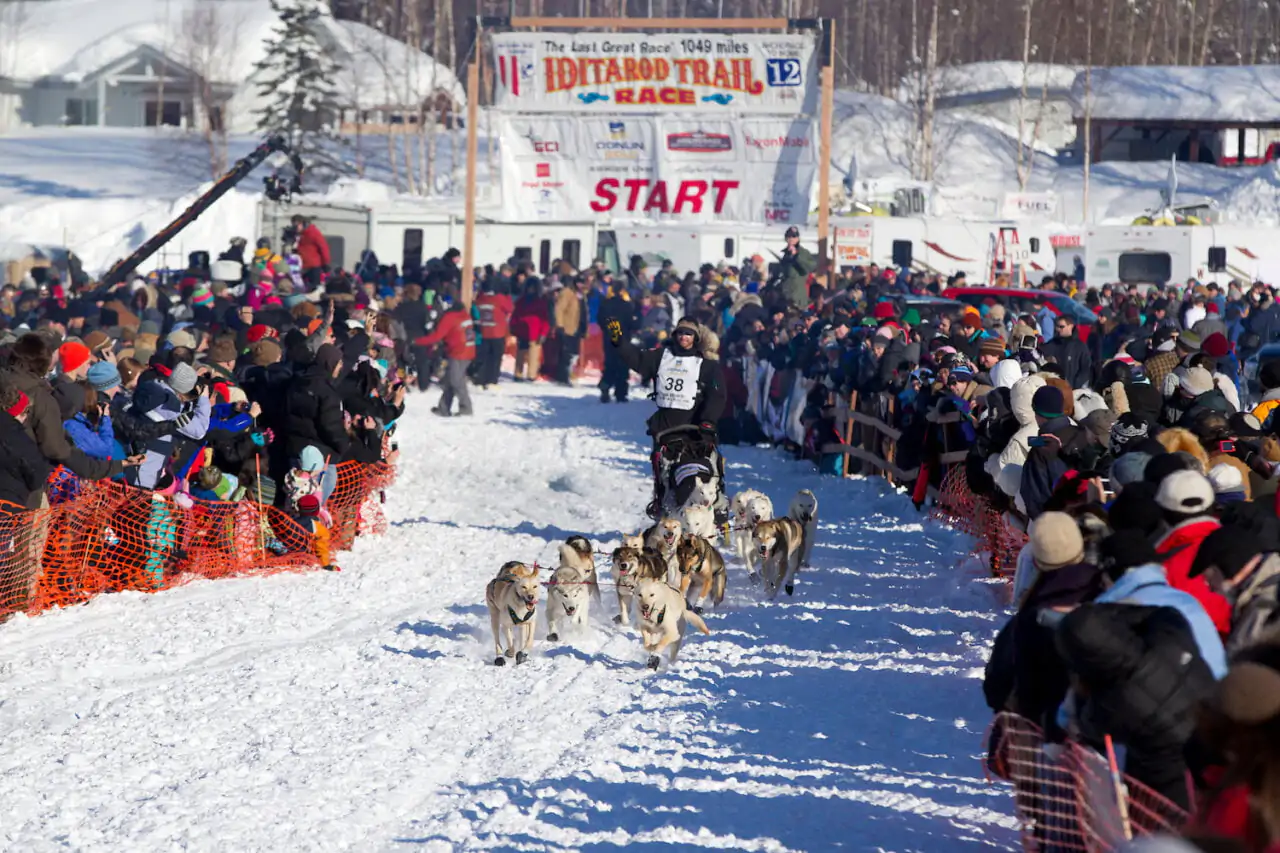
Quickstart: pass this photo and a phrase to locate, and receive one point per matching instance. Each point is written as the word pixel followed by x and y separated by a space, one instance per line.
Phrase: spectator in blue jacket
pixel 1132 574
pixel 90 428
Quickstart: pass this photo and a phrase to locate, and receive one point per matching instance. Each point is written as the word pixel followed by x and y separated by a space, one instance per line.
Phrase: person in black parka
pixel 688 388
pixel 314 408
pixel 1140 678
pixel 617 376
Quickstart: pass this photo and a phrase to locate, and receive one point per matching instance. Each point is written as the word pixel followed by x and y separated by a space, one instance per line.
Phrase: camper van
pixel 408 235
pixel 943 246
pixel 1146 254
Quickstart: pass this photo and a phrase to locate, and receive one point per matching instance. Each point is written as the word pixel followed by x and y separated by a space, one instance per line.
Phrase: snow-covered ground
pixel 361 711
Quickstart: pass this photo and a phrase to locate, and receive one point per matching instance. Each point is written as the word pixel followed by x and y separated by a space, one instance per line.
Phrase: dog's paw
pixel 509 653
pixel 552 637
pixel 499 661
pixel 653 662
pixel 790 589
pixel 617 620
pixel 521 657
pixel 696 609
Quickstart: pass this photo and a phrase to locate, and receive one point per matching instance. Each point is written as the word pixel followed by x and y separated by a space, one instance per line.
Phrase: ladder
pixel 1007 257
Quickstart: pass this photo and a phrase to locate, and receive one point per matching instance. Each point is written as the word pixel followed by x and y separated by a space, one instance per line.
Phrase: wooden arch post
pixel 826 49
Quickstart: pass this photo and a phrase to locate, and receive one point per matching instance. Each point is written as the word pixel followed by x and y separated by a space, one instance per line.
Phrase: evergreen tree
pixel 295 78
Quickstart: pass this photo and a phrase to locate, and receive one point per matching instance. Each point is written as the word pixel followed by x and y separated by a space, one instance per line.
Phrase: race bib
pixel 677 381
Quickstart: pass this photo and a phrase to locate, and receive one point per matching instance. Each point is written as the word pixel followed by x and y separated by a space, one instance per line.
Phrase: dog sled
pixel 687 469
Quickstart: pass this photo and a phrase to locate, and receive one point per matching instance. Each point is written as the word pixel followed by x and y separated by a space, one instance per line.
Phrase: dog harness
pixel 516 619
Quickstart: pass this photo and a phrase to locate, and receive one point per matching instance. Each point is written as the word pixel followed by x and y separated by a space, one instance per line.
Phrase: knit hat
pixel 973 322
pixel 202 296
pixel 1269 375
pixel 1216 346
pixel 911 317
pixel 1189 341
pixel 1128 468
pixel 181 338
pixel 183 378
pixel 104 376
pixel 1056 541
pixel 1249 694
pixel 1185 493
pixel 1135 509
pixel 1196 381
pixel 19 405
pixel 151 398
pixel 222 351
pixel 1227 482
pixel 72 355
pixel 258 331
pixel 1227 549
pixel 96 340
pixel 961 372
pixel 311 460
pixel 686 325
pixel 309 505
pixel 1125 549
pixel 883 311
pixel 265 352
pixel 1048 402
pixel 1127 429
pixel 991 346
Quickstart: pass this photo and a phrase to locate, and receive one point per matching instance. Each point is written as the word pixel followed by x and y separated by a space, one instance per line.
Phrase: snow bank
pixel 1226 93
pixel 359 710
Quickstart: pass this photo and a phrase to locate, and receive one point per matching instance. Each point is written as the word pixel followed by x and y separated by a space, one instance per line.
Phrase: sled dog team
pixel 655 572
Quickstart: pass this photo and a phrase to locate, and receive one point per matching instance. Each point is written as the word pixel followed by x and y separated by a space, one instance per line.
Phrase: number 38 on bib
pixel 677 381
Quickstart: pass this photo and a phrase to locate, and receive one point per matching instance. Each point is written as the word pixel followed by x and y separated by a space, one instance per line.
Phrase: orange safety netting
pixel 1066 797
pixel 112 537
pixel 974 514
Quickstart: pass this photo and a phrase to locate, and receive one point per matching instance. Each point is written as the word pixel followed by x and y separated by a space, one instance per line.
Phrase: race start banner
pixel 699 73
pixel 682 169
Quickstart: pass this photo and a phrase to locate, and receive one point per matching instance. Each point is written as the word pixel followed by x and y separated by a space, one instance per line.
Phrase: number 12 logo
pixel 783 72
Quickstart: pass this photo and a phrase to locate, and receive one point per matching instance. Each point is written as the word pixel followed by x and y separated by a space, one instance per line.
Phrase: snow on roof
pixel 71 40
pixel 977 78
pixel 1219 93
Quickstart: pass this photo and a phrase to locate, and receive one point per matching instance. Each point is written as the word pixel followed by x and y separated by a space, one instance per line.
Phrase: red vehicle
pixel 1017 302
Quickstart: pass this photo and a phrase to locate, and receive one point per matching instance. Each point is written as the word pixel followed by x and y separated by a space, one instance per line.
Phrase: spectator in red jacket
pixel 530 323
pixel 313 251
pixel 458 332
pixel 495 324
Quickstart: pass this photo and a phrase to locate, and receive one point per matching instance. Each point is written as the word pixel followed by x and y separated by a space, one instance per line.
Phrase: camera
pixel 289 234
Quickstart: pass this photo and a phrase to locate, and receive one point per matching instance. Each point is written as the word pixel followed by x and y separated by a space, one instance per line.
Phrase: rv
pixel 408 235
pixel 1147 254
pixel 943 246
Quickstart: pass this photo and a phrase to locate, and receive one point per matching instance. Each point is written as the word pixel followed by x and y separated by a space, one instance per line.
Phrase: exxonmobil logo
pixel 774 142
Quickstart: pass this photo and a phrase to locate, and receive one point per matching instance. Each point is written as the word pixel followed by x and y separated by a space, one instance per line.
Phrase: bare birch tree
pixel 14 15
pixel 210 38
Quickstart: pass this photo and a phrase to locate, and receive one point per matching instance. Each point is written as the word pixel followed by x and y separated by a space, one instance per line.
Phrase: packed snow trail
pixel 361 710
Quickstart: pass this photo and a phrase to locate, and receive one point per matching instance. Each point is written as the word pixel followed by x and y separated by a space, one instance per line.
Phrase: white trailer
pixel 943 246
pixel 408 235
pixel 1148 254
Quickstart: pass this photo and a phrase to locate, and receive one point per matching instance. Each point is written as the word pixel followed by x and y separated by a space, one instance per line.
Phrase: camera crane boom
pixel 276 190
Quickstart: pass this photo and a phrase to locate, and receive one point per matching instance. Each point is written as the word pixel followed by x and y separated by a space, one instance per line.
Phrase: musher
pixel 690 392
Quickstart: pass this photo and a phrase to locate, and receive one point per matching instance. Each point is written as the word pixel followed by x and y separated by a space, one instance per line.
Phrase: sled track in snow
pixel 361 710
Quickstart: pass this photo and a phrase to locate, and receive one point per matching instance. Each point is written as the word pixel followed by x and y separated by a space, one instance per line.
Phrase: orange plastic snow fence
pixel 112 537
pixel 973 514
pixel 1066 797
